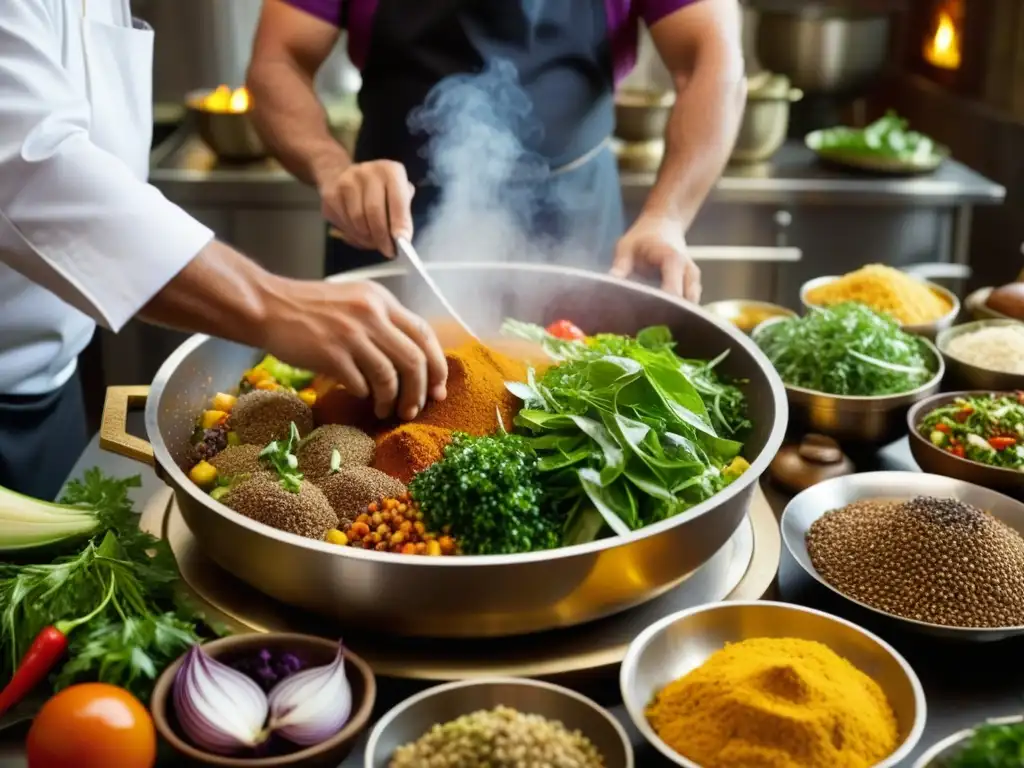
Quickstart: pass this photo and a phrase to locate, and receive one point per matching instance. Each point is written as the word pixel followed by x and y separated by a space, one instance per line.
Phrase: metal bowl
pixel 859 420
pixel 680 643
pixel 641 115
pixel 231 136
pixel 963 375
pixel 811 504
pixel 497 595
pixel 938 755
pixel 765 120
pixel 939 462
pixel 733 310
pixel 415 716
pixel 928 330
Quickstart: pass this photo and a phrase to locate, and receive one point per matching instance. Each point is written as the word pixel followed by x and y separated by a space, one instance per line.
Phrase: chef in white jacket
pixel 84 240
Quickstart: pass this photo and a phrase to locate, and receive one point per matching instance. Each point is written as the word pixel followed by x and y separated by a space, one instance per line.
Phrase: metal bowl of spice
pixel 476 721
pixel 929 553
pixel 685 676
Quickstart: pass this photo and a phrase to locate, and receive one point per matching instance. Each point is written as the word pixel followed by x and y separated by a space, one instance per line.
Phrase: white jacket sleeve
pixel 73 217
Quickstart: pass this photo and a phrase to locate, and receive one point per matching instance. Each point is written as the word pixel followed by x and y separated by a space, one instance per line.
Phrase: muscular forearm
pixel 293 123
pixel 698 140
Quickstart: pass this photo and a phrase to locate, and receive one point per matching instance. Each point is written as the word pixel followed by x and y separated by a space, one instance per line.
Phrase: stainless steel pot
pixel 464 596
pixel 765 119
pixel 641 114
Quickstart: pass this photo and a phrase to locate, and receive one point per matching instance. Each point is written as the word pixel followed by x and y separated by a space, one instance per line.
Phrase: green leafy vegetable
pixel 487 489
pixel 991 746
pixel 280 454
pixel 627 432
pixel 888 137
pixel 846 349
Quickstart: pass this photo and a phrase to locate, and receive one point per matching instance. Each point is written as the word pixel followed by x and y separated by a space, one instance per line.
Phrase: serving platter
pixel 872 163
pixel 744 569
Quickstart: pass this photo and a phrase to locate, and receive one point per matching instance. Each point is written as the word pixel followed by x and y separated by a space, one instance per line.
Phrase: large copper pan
pixel 464 596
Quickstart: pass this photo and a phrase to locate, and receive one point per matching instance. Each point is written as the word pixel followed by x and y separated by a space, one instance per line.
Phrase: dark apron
pixel 561 52
pixel 41 438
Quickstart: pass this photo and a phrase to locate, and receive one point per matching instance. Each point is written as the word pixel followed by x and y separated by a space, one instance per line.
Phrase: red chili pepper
pixel 957 450
pixel 563 329
pixel 964 413
pixel 46 650
pixel 944 428
pixel 1001 443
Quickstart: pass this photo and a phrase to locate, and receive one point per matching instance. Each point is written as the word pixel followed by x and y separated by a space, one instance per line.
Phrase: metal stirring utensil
pixel 405 249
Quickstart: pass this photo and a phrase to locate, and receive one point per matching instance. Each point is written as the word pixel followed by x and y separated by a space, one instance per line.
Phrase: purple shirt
pixel 622 15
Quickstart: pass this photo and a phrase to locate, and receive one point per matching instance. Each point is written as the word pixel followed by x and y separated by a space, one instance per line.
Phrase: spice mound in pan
pixel 262 416
pixel 938 561
pixel 351 489
pixel 354 448
pixel 238 460
pixel 263 499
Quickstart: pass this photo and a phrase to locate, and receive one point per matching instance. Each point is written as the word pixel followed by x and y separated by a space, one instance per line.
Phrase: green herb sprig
pixel 280 454
pixel 991 746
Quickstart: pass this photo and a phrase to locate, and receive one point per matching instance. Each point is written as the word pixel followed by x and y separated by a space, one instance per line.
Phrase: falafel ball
pixel 351 489
pixel 262 416
pixel 238 460
pixel 355 447
pixel 263 499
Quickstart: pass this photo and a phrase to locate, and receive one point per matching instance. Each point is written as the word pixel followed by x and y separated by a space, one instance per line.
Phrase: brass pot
pixel 766 118
pixel 231 136
pixel 641 115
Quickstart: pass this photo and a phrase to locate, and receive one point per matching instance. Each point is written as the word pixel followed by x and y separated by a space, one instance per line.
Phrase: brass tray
pixel 744 569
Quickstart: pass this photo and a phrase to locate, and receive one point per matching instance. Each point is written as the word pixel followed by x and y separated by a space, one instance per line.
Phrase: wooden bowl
pixel 318 651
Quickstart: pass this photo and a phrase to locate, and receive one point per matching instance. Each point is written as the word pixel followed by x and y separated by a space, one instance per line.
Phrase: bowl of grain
pixel 919 306
pixel 931 554
pixel 985 354
pixel 470 722
pixel 721 683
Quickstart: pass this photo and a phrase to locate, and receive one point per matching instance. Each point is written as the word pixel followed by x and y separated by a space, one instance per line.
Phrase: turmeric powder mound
pixel 407 450
pixel 776 703
pixel 884 289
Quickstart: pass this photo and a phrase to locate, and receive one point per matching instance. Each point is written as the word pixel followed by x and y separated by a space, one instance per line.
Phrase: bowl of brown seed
pixel 933 554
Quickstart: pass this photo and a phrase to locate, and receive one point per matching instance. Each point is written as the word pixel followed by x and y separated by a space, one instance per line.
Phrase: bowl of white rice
pixel 987 354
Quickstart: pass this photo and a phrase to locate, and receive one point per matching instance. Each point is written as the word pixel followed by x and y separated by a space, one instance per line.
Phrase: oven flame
pixel 943 48
pixel 225 100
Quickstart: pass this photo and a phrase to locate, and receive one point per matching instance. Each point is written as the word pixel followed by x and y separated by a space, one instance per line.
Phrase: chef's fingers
pixel 376 213
pixel 622 265
pixel 345 370
pixel 354 226
pixel 411 364
pixel 673 272
pixel 399 201
pixel 419 330
pixel 379 372
pixel 693 285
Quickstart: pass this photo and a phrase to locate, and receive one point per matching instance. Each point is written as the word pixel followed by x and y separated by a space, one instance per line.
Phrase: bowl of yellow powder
pixel 919 306
pixel 732 685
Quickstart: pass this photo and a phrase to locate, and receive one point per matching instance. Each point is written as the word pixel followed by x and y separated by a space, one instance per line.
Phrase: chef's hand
pixel 656 242
pixel 359 334
pixel 370 204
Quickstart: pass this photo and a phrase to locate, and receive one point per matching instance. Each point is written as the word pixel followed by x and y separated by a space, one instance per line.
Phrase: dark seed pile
pixel 263 499
pixel 262 416
pixel 238 460
pixel 938 561
pixel 350 490
pixel 214 441
pixel 355 449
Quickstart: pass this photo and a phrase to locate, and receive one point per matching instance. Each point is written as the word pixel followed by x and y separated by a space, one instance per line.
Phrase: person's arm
pixel 701 45
pixel 290 47
pixel 369 203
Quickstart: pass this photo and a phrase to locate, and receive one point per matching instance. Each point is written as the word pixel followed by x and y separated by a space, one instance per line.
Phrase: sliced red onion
pixel 311 706
pixel 220 709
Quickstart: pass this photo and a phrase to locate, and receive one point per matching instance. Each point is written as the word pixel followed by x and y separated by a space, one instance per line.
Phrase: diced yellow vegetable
pixel 203 474
pixel 433 548
pixel 234 439
pixel 255 375
pixel 224 402
pixel 308 396
pixel 268 384
pixel 213 419
pixel 736 467
pixel 334 536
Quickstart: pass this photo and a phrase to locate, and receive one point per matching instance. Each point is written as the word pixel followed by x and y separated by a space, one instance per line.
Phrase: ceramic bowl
pixel 317 651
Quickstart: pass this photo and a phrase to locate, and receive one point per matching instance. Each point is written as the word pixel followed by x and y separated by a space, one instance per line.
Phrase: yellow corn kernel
pixel 224 402
pixel 255 375
pixel 203 474
pixel 268 384
pixel 308 396
pixel 334 536
pixel 213 419
pixel 433 549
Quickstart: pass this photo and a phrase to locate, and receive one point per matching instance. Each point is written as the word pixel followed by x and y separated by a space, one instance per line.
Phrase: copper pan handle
pixel 114 437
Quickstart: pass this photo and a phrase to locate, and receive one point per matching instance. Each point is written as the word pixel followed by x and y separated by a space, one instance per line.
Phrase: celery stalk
pixel 27 523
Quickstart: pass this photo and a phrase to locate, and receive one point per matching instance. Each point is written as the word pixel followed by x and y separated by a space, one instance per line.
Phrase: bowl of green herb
pixel 999 743
pixel 850 372
pixel 885 146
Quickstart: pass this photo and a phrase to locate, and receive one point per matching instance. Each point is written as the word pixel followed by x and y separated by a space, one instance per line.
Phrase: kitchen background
pixel 954 68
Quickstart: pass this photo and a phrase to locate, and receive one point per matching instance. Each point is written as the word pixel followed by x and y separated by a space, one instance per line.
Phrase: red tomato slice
pixel 563 329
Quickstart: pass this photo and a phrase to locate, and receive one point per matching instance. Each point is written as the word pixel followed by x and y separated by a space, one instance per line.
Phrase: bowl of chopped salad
pixel 996 743
pixel 975 436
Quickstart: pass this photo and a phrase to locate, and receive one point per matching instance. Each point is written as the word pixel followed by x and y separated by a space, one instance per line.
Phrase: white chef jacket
pixel 83 237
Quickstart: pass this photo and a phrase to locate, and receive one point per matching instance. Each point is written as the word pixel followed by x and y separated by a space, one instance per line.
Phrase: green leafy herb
pixel 846 349
pixel 488 490
pixel 991 746
pixel 888 137
pixel 281 456
pixel 628 433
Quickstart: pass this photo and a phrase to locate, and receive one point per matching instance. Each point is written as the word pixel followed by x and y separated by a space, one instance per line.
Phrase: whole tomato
pixel 563 329
pixel 92 725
